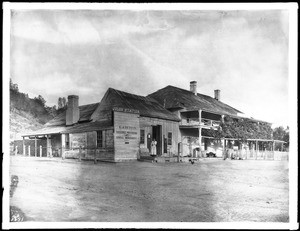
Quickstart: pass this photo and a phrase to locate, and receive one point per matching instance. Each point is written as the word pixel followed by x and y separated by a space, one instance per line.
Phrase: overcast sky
pixel 243 53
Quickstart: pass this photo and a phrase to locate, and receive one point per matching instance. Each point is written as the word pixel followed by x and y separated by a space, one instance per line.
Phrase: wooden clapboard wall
pixel 146 123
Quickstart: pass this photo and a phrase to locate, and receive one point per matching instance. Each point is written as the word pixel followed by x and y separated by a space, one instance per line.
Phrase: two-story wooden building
pixel 122 125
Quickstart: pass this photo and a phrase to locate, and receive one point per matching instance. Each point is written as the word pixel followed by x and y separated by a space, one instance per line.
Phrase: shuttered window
pixel 99 139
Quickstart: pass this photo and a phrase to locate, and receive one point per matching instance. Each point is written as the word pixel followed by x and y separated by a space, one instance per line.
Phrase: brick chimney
pixel 72 114
pixel 217 94
pixel 193 87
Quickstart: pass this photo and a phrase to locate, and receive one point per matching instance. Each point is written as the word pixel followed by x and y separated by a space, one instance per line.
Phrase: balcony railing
pixel 190 121
pixel 210 123
pixel 195 122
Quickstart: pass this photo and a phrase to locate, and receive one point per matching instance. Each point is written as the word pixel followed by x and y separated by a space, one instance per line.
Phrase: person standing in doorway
pixel 153 147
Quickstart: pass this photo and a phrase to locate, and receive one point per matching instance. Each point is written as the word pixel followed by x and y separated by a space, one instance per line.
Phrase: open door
pixel 156 134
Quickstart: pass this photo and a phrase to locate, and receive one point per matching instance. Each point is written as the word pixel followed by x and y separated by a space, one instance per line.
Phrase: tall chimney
pixel 72 114
pixel 193 87
pixel 217 94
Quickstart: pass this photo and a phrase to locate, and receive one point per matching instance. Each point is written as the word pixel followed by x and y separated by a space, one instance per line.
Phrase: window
pixel 142 136
pixel 169 138
pixel 99 139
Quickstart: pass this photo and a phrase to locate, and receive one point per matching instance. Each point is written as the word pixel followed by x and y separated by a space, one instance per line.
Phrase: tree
pixel 64 102
pixel 61 102
pixel 40 100
pixel 280 133
pixel 13 86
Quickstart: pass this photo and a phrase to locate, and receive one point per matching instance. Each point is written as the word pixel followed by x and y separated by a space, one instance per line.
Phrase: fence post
pixel 41 150
pixel 80 153
pixel 95 156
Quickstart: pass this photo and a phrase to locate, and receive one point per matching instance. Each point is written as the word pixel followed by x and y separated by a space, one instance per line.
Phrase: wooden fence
pixel 108 155
pixel 88 154
pixel 261 155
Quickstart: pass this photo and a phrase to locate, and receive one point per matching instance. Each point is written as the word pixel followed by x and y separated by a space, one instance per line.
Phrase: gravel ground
pixel 211 190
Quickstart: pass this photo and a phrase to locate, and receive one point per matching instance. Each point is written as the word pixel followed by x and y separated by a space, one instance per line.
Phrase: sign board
pixel 126 133
pixel 127 110
pixel 77 140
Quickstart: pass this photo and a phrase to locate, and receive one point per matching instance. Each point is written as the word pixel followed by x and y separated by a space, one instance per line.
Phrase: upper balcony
pixel 195 123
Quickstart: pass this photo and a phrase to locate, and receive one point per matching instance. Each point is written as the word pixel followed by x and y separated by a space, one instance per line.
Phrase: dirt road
pixel 208 191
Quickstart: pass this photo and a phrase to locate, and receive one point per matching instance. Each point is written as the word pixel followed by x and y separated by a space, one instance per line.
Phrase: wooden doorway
pixel 156 135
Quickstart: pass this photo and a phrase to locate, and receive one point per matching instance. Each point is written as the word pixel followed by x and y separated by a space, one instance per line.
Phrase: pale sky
pixel 55 53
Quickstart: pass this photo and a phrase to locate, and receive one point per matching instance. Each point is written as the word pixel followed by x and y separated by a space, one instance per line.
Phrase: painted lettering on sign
pixel 128 110
pixel 127 127
pixel 126 135
pixel 125 132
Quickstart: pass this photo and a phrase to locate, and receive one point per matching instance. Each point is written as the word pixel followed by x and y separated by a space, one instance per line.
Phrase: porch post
pixel 16 150
pixel 24 149
pixel 35 146
pixel 48 146
pixel 29 150
pixel 200 131
pixel 40 150
pixel 256 150
pixel 79 153
pixel 63 142
pixel 273 148
pixel 224 148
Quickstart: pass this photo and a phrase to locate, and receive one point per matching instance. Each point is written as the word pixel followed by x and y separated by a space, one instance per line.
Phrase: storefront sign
pixel 127 110
pixel 78 140
pixel 126 133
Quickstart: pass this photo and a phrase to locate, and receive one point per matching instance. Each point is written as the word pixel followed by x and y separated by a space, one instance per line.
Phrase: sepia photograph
pixel 148 115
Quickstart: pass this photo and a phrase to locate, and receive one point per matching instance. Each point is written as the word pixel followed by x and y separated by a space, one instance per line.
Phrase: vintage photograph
pixel 133 115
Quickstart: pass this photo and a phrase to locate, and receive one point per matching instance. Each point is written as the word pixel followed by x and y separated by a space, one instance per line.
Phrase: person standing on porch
pixel 153 147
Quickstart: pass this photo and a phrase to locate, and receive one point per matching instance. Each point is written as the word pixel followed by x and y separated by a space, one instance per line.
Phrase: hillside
pixel 27 114
pixel 21 122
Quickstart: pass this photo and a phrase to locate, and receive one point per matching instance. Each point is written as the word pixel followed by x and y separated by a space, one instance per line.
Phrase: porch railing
pixel 189 121
pixel 88 153
pixel 195 122
pixel 259 155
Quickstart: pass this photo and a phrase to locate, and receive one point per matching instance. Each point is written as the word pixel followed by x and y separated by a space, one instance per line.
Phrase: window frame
pixel 142 131
pixel 99 144
pixel 169 139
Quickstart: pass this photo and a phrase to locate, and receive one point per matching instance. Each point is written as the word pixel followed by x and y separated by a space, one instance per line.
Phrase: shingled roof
pixel 173 97
pixel 85 112
pixel 146 106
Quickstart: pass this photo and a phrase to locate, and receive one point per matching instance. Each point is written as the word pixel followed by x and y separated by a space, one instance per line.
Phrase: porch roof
pixel 77 128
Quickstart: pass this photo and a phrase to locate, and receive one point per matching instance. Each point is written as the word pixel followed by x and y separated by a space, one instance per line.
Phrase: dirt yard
pixel 211 190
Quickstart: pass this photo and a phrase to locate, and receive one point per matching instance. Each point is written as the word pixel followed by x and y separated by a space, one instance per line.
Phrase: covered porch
pixel 46 145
